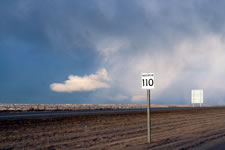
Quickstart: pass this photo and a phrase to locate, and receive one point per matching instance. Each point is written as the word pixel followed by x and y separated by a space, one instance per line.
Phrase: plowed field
pixel 177 129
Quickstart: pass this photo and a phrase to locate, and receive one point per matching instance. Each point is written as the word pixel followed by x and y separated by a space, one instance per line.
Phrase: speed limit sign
pixel 148 83
pixel 147 80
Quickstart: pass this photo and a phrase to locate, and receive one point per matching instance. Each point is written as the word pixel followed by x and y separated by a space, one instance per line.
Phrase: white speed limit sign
pixel 148 83
pixel 147 80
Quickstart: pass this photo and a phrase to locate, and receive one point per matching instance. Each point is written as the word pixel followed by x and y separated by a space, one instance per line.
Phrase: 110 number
pixel 147 82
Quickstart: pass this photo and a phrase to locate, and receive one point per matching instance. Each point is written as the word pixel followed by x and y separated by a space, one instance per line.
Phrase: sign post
pixel 149 116
pixel 148 83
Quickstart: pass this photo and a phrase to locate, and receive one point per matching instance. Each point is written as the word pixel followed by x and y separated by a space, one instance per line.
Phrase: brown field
pixel 178 129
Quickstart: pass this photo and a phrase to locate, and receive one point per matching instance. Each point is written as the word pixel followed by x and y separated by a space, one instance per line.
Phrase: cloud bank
pixel 83 84
pixel 181 42
pixel 182 45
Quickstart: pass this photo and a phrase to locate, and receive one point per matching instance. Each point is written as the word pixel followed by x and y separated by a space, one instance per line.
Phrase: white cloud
pixel 86 83
pixel 189 63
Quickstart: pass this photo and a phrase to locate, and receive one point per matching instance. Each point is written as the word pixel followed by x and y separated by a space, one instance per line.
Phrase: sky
pixel 94 51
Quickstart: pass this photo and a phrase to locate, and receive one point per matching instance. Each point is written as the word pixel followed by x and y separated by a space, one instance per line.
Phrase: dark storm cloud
pixel 81 23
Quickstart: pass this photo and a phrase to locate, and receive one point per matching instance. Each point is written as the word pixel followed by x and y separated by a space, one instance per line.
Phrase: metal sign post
pixel 149 115
pixel 148 83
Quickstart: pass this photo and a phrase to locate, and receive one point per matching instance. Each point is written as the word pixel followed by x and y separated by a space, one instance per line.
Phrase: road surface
pixel 37 115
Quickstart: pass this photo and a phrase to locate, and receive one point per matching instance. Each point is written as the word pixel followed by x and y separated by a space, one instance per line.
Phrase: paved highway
pixel 36 115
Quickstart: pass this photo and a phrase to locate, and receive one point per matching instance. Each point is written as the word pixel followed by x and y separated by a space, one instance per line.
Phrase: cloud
pixel 181 42
pixel 83 84
pixel 183 53
pixel 138 98
pixel 190 63
pixel 119 98
pixel 111 45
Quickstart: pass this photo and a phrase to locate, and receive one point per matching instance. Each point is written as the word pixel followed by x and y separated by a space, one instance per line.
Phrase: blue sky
pixel 94 51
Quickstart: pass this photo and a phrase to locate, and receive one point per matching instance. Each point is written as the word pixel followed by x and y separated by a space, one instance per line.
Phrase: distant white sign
pixel 147 80
pixel 197 96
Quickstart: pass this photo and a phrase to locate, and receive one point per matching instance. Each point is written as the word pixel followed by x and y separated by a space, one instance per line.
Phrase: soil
pixel 177 129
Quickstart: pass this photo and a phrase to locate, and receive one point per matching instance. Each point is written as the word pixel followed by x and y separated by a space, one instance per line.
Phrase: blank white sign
pixel 197 96
pixel 147 80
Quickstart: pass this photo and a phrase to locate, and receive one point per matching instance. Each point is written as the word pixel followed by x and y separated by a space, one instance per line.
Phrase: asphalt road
pixel 36 115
